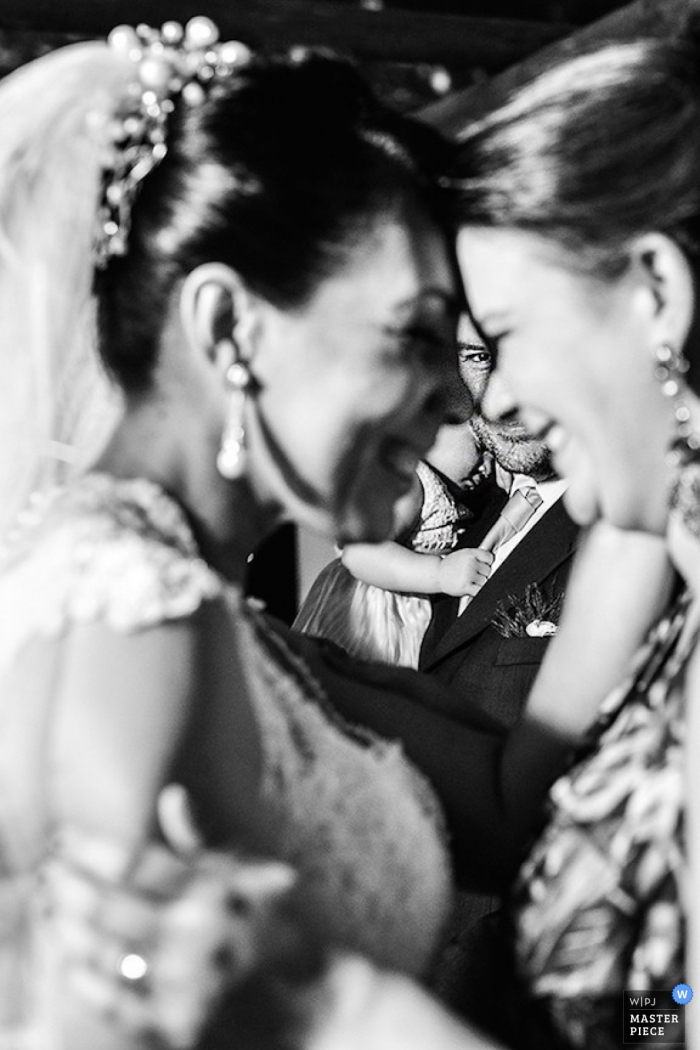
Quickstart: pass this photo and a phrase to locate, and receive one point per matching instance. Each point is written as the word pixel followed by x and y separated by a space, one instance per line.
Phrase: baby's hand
pixel 465 571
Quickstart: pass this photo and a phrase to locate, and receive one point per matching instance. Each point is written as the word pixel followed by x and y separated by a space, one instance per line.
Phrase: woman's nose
pixel 497 401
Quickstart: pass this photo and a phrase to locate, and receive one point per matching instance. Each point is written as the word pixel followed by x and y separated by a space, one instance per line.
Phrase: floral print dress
pixel 597 907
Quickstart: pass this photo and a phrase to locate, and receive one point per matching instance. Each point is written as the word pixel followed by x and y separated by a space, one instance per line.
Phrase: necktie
pixel 516 513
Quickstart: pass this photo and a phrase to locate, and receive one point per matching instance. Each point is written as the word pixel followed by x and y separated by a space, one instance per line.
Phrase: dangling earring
pixel 231 461
pixel 671 367
pixel 684 454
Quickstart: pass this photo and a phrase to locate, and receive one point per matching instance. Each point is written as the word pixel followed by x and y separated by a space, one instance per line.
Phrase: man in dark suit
pixel 488 648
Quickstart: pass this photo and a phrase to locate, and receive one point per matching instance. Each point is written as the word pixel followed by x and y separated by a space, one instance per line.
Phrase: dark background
pixel 414 50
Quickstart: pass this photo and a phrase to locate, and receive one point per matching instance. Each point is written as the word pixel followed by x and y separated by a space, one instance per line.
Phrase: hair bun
pixel 331 86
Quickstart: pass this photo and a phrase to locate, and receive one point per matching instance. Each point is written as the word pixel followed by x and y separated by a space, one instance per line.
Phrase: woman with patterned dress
pixel 579 214
pixel 275 340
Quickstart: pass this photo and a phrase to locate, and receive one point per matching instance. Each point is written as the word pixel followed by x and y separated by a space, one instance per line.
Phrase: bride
pixel 258 251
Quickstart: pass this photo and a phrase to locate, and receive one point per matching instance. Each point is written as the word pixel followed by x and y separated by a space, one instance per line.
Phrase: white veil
pixel 56 405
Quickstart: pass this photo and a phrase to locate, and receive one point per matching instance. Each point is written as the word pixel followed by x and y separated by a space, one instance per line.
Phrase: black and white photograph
pixel 349 524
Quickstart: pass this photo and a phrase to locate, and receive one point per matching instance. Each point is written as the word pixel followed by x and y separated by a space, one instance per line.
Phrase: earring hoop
pixel 232 458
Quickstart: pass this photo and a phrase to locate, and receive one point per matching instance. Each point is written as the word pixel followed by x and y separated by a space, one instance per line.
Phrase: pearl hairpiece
pixel 169 62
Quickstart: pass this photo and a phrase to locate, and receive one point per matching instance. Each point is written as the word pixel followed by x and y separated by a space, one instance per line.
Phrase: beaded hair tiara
pixel 170 62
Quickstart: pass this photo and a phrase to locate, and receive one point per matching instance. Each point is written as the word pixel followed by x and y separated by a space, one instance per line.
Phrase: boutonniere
pixel 540 629
pixel 532 615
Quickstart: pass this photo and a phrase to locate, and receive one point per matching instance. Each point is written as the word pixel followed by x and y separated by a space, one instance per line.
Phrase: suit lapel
pixel 537 555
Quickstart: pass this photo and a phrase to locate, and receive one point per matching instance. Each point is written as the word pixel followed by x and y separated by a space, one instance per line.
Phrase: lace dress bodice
pixel 357 820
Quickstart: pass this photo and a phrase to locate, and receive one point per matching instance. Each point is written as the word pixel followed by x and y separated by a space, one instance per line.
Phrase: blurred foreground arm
pixel 157 947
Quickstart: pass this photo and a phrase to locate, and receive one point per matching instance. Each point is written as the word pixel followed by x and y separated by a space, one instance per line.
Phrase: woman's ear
pixel 667 287
pixel 218 314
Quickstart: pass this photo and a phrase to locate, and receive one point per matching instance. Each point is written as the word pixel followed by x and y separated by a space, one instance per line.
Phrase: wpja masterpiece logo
pixel 655 1017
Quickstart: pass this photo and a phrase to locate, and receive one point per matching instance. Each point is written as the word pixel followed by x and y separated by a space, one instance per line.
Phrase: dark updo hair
pixel 274 175
pixel 597 149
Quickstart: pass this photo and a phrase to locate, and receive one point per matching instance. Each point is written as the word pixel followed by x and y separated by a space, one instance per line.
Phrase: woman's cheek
pixel 582 505
pixel 583 496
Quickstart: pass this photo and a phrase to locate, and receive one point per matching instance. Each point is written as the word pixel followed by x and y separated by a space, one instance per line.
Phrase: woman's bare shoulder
pixel 123 713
